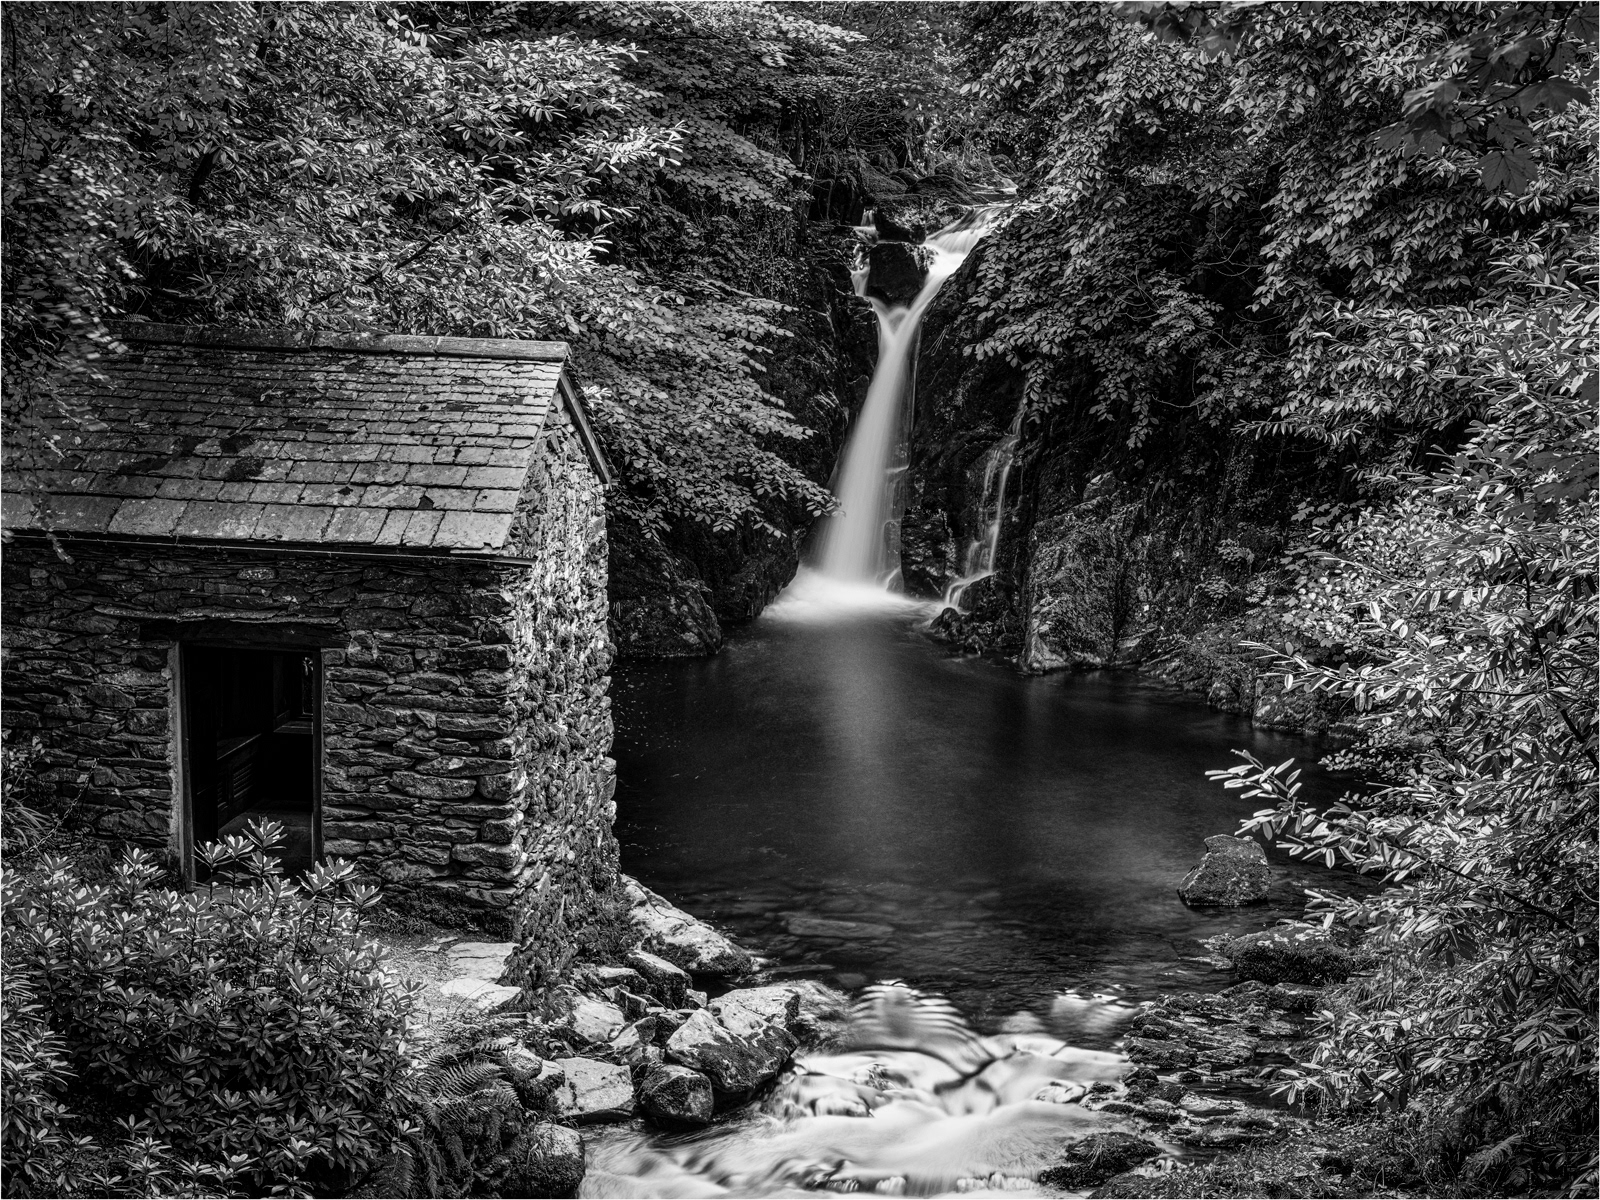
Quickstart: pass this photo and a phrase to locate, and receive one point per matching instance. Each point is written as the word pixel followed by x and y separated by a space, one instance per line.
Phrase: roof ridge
pixel 360 343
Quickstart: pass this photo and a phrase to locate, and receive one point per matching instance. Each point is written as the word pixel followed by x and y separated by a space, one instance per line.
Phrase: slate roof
pixel 419 444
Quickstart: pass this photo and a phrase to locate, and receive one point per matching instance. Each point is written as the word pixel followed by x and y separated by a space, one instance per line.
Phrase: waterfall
pixel 978 561
pixel 855 543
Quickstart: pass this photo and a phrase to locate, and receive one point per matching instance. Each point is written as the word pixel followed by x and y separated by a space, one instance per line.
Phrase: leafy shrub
pixel 1465 617
pixel 239 1038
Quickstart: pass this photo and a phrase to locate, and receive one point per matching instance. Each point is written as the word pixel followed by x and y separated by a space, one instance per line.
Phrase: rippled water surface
pixel 861 804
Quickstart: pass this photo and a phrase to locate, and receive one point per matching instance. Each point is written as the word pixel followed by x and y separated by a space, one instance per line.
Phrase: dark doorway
pixel 250 728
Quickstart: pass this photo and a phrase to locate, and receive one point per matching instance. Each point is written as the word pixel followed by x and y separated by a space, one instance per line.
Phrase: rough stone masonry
pixel 464 716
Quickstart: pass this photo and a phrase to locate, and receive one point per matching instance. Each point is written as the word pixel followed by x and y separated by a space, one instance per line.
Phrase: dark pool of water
pixel 859 804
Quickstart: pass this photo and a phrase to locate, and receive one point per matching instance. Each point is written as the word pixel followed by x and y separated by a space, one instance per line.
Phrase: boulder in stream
pixel 895 273
pixel 1294 997
pixel 663 980
pixel 1291 954
pixel 1097 1158
pixel 759 1011
pixel 583 1020
pixel 735 1064
pixel 676 1094
pixel 691 944
pixel 594 1091
pixel 1233 873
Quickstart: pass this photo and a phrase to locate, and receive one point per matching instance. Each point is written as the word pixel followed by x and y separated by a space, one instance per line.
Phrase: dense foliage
pixel 235 1040
pixel 1464 614
pixel 422 168
pixel 1355 242
pixel 1361 237
pixel 1211 236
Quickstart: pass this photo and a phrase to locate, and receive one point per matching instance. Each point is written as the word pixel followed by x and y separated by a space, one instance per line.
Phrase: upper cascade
pixel 859 541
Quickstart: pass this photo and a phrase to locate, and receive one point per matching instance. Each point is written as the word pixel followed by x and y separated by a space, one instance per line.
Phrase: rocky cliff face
pixel 1153 560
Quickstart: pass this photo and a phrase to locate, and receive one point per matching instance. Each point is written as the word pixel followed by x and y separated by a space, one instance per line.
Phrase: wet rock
pixel 674 1093
pixel 762 1018
pixel 615 977
pixel 1226 1051
pixel 1197 1105
pixel 583 1020
pixel 594 1091
pixel 823 1015
pixel 1233 873
pixel 734 1064
pixel 661 979
pixel 1141 1079
pixel 689 943
pixel 1274 707
pixel 1246 991
pixel 1290 954
pixel 669 1021
pixel 1269 1028
pixel 823 927
pixel 526 1071
pixel 633 1006
pixel 890 230
pixel 1158 1111
pixel 546 1160
pixel 746 1010
pixel 1161 1053
pixel 1117 1108
pixel 1097 1158
pixel 895 273
pixel 1294 997
pixel 1060 1091
pixel 635 1047
pixel 1224 1137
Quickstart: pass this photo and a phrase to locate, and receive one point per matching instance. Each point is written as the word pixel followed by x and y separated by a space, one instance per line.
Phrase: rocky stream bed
pixel 683 1070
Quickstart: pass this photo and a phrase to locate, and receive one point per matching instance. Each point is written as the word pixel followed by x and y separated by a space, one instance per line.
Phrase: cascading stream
pixel 978 561
pixel 912 1103
pixel 854 547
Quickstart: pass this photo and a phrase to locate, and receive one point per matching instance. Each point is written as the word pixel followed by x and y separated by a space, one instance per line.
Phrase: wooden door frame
pixel 183 774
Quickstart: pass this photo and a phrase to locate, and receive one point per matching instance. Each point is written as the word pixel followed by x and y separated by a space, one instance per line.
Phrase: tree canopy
pixel 609 174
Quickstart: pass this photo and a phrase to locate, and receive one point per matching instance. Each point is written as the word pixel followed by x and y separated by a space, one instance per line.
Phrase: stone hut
pixel 355 583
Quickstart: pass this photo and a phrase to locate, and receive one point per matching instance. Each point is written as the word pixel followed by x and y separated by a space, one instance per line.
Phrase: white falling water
pixel 978 561
pixel 854 546
pixel 913 1103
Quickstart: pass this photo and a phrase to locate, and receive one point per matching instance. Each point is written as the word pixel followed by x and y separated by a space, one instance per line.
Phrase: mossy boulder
pixel 1292 954
pixel 546 1161
pixel 1096 1159
pixel 1233 873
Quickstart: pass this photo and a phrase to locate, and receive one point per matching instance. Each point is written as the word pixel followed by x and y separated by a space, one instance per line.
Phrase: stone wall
pixel 465 715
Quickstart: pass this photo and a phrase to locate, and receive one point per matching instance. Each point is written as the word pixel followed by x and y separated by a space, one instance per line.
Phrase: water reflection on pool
pixel 861 804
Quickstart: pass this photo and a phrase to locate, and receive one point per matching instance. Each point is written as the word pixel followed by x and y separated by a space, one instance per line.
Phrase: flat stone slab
pixel 594 1091
pixel 480 992
pixel 480 960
